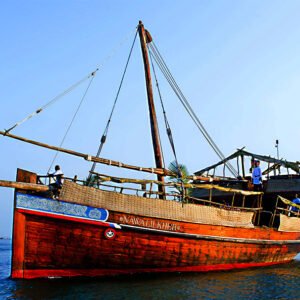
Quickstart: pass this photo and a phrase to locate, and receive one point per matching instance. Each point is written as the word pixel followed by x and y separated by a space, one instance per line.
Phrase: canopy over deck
pixel 241 153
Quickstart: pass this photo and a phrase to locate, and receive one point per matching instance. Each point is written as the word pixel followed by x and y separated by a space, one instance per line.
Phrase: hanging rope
pixel 169 132
pixel 59 96
pixel 168 128
pixel 72 87
pixel 71 123
pixel 166 72
pixel 104 135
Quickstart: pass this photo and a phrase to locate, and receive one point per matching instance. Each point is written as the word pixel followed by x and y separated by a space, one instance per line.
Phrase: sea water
pixel 277 282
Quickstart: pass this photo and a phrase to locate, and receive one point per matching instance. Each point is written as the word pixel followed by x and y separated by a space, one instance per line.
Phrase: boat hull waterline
pixel 65 244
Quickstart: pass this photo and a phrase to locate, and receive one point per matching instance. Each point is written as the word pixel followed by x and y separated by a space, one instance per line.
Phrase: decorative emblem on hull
pixel 110 233
pixel 47 205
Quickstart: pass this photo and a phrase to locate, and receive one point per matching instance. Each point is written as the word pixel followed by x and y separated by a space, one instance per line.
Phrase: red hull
pixel 48 244
pixel 31 274
pixel 54 247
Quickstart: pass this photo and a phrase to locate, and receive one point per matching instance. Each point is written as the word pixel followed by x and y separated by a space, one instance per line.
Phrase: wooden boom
pixel 24 186
pixel 159 171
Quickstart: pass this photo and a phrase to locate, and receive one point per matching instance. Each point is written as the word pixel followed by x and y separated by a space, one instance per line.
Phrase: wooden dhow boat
pixel 103 227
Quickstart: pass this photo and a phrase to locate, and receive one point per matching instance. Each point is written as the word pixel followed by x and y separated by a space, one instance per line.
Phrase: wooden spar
pixel 288 164
pixel 243 165
pixel 198 178
pixel 275 166
pixel 159 171
pixel 144 38
pixel 104 177
pixel 24 186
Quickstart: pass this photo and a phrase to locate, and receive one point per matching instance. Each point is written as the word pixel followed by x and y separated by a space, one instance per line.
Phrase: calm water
pixel 281 282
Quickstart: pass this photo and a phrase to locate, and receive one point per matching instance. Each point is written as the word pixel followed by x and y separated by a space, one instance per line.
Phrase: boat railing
pixel 284 206
pixel 174 191
pixel 224 205
pixel 142 192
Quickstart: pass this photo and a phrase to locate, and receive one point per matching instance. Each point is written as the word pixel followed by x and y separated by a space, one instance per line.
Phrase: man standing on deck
pixel 257 177
pixel 58 176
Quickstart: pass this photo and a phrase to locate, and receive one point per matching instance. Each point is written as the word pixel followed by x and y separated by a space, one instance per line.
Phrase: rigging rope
pixel 166 72
pixel 53 100
pixel 72 87
pixel 168 128
pixel 103 138
pixel 71 123
pixel 169 131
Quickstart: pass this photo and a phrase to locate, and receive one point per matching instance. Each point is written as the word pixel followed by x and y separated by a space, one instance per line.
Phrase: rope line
pixel 166 72
pixel 116 48
pixel 53 100
pixel 72 121
pixel 103 138
pixel 72 87
pixel 168 128
pixel 169 131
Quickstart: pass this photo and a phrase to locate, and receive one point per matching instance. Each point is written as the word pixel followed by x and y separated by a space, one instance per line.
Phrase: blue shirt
pixel 256 175
pixel 296 201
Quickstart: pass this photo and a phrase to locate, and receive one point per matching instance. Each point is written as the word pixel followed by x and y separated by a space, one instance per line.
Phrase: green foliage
pixel 180 170
pixel 91 180
pixel 182 173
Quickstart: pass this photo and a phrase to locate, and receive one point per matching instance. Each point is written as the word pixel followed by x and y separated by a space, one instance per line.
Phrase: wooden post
pixel 243 165
pixel 144 38
pixel 232 202
pixel 260 205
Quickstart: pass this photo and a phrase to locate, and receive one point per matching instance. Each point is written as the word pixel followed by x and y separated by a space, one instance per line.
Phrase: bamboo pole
pixel 103 177
pixel 159 171
pixel 105 161
pixel 24 186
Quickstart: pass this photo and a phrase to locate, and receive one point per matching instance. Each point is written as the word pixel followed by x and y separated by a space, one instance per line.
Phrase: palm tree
pixel 181 177
pixel 92 180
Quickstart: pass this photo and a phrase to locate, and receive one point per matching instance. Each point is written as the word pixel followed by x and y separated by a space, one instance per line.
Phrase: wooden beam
pixel 159 171
pixel 208 186
pixel 243 165
pixel 144 39
pixel 24 186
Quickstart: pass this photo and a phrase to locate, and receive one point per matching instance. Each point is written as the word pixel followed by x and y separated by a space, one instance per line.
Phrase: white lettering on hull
pixel 137 221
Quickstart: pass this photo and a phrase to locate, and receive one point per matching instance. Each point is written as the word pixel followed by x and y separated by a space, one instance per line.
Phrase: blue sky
pixel 237 62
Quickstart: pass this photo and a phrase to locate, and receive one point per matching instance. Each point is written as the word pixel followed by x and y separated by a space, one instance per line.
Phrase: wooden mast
pixel 144 39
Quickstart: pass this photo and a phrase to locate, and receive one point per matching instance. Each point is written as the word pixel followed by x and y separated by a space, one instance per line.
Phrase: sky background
pixel 237 62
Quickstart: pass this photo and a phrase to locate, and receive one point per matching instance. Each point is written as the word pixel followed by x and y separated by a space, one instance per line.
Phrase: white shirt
pixel 59 172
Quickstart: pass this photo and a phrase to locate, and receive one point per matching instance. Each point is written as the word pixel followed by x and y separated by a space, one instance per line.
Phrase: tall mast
pixel 144 38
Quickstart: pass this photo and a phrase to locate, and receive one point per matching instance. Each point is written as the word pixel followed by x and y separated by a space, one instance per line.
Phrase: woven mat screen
pixel 290 224
pixel 157 208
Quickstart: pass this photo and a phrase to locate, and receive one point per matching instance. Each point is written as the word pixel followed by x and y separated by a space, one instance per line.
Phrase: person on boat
pixel 295 201
pixel 252 165
pixel 59 180
pixel 257 177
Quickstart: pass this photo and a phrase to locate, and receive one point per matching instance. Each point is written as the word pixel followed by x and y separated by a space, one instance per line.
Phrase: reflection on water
pixel 281 282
